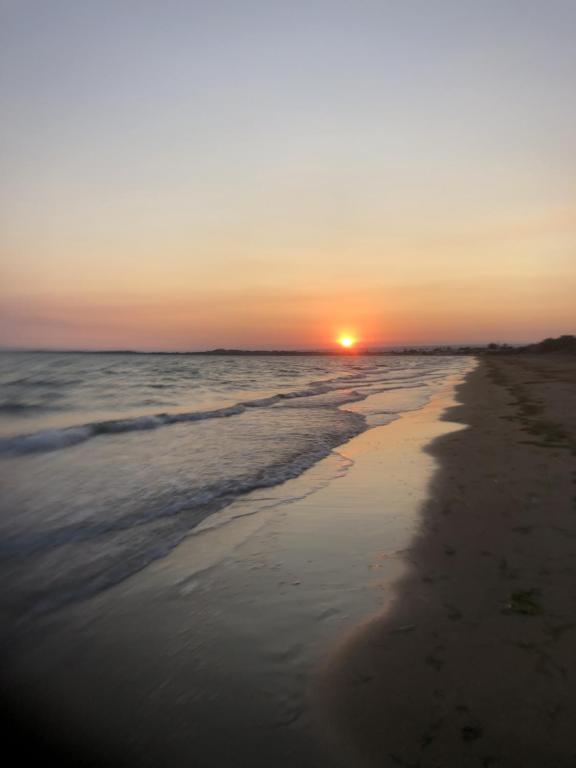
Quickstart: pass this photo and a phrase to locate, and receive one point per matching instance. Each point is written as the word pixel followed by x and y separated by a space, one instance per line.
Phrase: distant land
pixel 565 344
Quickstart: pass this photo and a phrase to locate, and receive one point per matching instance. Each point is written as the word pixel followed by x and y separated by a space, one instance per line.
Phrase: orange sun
pixel 346 341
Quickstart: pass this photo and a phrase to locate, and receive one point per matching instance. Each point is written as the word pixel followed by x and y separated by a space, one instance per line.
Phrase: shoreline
pixel 474 665
pixel 362 624
pixel 207 654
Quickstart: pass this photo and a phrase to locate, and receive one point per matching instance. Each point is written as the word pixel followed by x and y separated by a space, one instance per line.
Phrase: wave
pixel 56 439
pixel 12 407
pixel 54 566
pixel 28 381
pixel 199 503
pixel 66 437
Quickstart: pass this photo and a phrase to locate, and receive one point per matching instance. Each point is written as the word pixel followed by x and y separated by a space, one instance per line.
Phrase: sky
pixel 184 174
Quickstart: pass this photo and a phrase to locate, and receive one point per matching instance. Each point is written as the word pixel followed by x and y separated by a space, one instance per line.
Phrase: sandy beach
pixel 416 611
pixel 474 664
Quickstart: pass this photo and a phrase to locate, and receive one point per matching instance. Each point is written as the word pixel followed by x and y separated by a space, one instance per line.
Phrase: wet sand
pixel 386 618
pixel 475 664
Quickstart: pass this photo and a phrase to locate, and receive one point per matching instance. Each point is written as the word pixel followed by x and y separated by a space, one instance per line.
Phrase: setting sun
pixel 346 341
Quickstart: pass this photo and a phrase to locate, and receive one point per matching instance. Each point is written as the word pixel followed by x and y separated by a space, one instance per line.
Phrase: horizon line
pixel 260 351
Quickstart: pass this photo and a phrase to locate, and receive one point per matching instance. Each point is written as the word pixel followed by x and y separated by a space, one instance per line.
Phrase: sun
pixel 346 341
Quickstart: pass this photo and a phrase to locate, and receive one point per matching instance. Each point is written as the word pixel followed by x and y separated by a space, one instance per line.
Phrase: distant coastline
pixel 564 343
pixel 264 352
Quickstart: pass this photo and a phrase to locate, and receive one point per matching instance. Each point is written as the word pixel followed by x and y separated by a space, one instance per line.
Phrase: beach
pixel 410 602
pixel 287 384
pixel 474 664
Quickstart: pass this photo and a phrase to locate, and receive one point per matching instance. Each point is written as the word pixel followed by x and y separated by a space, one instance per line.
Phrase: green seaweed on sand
pixel 525 602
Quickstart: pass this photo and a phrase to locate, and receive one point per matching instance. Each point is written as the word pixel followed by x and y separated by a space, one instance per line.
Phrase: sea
pixel 109 461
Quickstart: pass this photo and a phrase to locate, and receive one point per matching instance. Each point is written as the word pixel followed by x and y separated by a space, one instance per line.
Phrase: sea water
pixel 107 461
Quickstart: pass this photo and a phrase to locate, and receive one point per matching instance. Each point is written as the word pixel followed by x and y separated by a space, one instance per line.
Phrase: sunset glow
pixel 346 341
pixel 163 190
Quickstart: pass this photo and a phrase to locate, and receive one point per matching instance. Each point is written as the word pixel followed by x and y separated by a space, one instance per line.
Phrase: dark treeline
pixel 565 344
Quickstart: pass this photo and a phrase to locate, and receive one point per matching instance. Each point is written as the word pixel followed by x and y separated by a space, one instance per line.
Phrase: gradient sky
pixel 262 173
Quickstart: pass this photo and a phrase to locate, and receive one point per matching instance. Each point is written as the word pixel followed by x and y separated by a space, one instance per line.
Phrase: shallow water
pixel 108 461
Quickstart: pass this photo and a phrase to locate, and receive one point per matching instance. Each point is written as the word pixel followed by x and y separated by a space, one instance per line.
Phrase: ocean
pixel 108 461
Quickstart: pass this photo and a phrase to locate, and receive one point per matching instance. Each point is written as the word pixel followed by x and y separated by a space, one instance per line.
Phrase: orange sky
pixel 194 180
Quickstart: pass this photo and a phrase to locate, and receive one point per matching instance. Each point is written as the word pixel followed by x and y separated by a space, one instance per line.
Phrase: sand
pixel 475 664
pixel 416 611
